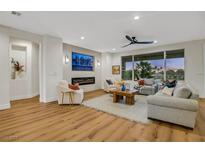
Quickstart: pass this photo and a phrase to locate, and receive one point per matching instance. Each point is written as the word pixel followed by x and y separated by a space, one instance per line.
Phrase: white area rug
pixel 136 112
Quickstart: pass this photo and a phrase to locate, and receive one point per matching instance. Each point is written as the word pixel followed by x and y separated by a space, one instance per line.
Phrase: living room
pixel 130 79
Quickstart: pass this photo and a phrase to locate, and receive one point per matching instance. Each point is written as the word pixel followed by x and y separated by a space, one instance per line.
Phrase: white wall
pixel 50 56
pixel 51 67
pixel 4 71
pixel 21 88
pixel 15 33
pixel 20 34
pixel 106 67
pixel 35 69
pixel 194 61
pixel 67 68
pixel 204 65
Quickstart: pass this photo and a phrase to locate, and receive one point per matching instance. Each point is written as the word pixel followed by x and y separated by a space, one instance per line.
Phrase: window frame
pixel 125 69
pixel 164 61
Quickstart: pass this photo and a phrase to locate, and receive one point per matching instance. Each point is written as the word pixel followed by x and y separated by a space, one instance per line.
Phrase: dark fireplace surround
pixel 83 80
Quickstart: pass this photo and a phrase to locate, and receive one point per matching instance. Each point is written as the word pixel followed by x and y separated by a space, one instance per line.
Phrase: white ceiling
pixel 104 31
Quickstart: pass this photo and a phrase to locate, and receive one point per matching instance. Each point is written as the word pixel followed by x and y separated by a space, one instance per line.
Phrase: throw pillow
pixel 141 82
pixel 136 85
pixel 182 92
pixel 170 84
pixel 74 87
pixel 167 91
pixel 109 82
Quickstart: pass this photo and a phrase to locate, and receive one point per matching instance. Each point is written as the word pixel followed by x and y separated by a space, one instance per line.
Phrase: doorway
pixel 24 69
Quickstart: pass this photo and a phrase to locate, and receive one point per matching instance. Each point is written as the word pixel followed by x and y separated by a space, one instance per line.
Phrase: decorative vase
pixel 123 88
pixel 13 75
pixel 18 74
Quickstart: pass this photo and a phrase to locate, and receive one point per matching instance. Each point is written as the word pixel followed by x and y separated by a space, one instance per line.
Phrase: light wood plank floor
pixel 29 120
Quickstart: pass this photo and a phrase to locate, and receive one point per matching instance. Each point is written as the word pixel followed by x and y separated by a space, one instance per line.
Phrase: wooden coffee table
pixel 129 96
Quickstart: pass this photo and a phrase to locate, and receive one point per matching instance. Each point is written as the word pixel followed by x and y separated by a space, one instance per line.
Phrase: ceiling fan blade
pixel 126 45
pixel 144 42
pixel 129 38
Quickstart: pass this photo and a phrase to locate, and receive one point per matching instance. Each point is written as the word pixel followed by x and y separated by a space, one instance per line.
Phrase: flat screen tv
pixel 82 62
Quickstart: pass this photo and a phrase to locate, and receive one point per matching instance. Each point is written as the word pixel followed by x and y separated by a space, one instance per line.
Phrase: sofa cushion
pixel 149 81
pixel 147 88
pixel 195 94
pixel 182 92
pixel 159 93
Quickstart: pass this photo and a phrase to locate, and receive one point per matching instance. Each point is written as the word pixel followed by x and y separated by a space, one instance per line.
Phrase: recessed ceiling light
pixel 113 49
pixel 136 17
pixel 82 37
pixel 155 41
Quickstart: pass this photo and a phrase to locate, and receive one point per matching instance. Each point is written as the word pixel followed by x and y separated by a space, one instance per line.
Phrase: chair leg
pixel 82 101
pixel 62 97
pixel 71 99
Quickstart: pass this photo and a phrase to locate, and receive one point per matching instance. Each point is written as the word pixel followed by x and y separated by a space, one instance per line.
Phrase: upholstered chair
pixel 67 95
pixel 109 86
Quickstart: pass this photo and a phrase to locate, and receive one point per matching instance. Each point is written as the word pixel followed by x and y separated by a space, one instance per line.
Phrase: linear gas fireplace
pixel 83 80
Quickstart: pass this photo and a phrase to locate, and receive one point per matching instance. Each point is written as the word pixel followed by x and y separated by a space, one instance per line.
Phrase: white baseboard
pixel 201 96
pixel 13 98
pixel 47 100
pixel 5 106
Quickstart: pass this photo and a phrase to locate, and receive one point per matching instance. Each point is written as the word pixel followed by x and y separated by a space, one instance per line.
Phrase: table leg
pixel 130 100
pixel 115 98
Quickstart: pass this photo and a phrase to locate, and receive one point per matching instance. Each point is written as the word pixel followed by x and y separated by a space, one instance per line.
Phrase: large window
pixel 149 66
pixel 161 65
pixel 127 67
pixel 175 64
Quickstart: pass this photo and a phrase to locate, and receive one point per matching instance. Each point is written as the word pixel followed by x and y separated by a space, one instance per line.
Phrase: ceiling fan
pixel 134 41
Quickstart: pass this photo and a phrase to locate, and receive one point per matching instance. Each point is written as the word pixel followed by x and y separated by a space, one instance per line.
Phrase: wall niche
pixel 18 58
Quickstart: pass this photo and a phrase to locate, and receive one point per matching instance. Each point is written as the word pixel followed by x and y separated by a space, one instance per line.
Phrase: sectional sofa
pixel 181 108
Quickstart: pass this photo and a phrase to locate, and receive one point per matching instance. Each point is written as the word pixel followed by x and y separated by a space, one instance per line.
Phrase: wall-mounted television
pixel 82 62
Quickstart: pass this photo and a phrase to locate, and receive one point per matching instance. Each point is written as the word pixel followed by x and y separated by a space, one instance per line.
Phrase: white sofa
pixel 67 95
pixel 175 110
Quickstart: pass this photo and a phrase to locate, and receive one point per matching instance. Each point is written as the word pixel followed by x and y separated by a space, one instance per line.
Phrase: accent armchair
pixel 149 88
pixel 109 85
pixel 67 95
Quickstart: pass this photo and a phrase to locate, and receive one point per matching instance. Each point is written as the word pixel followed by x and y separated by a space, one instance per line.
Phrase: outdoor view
pixel 154 66
pixel 127 67
pixel 175 68
pixel 149 69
